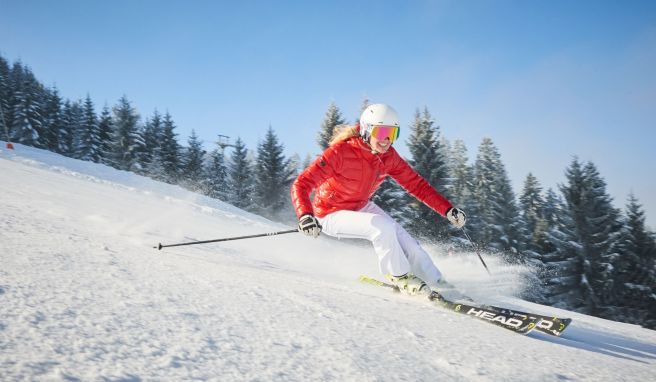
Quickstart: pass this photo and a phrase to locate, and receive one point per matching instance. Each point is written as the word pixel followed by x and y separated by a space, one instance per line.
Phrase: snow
pixel 85 296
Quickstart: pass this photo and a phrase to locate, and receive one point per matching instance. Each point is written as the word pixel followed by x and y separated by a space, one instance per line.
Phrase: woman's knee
pixel 383 226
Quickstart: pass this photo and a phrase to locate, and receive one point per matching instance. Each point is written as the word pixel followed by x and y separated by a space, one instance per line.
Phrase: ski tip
pixel 369 280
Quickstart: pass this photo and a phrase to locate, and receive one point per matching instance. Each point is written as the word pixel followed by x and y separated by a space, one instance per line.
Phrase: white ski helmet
pixel 377 114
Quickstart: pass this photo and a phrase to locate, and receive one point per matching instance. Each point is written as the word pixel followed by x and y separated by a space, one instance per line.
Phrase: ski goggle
pixel 381 132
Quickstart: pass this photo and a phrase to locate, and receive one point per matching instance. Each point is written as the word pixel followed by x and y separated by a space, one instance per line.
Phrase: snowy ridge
pixel 84 296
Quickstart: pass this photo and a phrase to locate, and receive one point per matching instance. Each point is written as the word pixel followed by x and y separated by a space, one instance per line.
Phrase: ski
pixel 552 325
pixel 546 324
pixel 515 323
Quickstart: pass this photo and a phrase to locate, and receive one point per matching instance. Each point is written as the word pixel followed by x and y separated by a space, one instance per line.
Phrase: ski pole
pixel 476 248
pixel 160 245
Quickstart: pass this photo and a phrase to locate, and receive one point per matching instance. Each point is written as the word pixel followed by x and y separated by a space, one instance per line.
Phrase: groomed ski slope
pixel 84 296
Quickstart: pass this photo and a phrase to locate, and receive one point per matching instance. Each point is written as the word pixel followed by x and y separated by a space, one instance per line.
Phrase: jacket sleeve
pixel 417 186
pixel 323 168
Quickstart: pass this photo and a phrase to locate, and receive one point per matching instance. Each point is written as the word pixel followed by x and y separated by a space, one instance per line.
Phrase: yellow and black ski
pixel 515 323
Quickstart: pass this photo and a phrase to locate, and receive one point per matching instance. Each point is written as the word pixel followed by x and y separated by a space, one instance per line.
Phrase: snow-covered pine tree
pixel 215 179
pixel 430 161
pixel 152 134
pixel 66 134
pixel 532 207
pixel 192 163
pixel 105 129
pixel 52 119
pixel 87 145
pixel 126 142
pixel 531 204
pixel 15 81
pixel 634 271
pixel 550 211
pixel 563 267
pixel 26 124
pixel 273 176
pixel 590 226
pixel 502 226
pixel 170 151
pixel 542 247
pixel 240 175
pixel 552 203
pixel 5 96
pixel 462 186
pixel 599 229
pixel 332 118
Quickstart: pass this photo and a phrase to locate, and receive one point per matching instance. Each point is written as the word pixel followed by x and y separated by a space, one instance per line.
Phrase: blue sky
pixel 545 80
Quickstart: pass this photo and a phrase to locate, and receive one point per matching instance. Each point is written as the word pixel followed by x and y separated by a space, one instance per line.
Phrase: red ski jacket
pixel 347 174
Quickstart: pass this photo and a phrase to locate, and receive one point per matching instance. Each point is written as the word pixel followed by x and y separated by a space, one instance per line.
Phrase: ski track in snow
pixel 84 296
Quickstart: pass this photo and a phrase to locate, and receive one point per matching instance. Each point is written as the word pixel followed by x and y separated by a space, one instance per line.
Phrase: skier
pixel 347 174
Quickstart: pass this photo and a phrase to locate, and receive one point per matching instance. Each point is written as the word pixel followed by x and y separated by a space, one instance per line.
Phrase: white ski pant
pixel 398 252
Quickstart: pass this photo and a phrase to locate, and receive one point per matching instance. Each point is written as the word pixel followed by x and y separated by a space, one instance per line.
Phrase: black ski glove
pixel 456 217
pixel 309 225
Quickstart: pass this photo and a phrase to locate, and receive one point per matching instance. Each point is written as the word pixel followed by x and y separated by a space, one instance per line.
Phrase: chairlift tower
pixel 223 142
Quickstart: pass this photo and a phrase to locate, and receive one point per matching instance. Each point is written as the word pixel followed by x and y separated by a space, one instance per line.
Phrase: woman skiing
pixel 345 177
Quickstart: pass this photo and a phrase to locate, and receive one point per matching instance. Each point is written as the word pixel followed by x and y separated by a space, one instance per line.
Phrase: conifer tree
pixel 542 249
pixel 634 272
pixel 170 151
pixel 333 118
pixel 531 203
pixel 26 107
pixel 240 177
pixel 462 185
pixel 429 159
pixel 87 146
pixel 215 179
pixel 66 134
pixel 550 208
pixel 105 131
pixel 501 222
pixel 583 250
pixel 5 97
pixel 52 119
pixel 563 267
pixel 531 206
pixel 599 228
pixel 192 162
pixel 511 231
pixel 126 142
pixel 539 241
pixel 152 135
pixel 273 176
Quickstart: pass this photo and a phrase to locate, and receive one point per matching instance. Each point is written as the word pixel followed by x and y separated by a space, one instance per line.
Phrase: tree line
pixel 586 255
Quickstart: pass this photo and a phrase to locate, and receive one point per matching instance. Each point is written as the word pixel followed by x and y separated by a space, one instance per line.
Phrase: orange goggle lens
pixel 381 132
